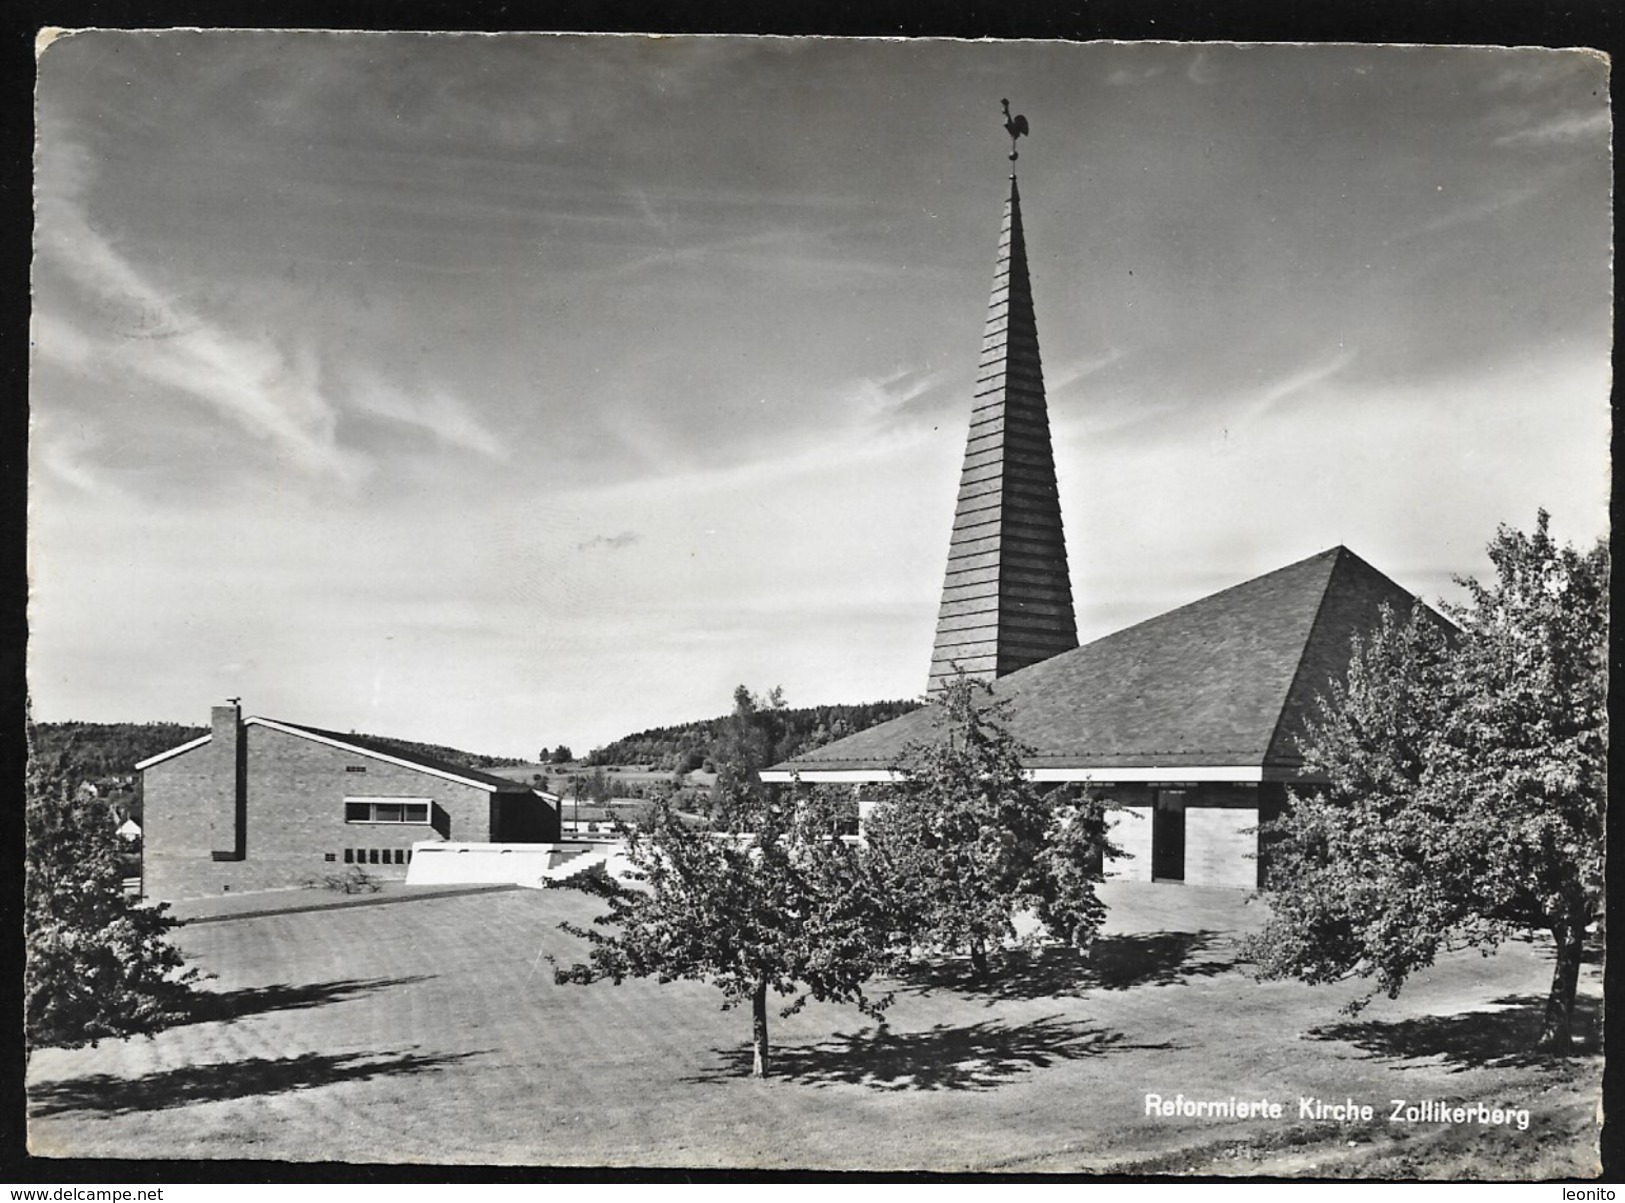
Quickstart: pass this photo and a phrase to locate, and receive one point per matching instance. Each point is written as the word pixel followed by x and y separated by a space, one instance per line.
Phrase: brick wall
pixel 1131 831
pixel 1220 846
pixel 181 805
pixel 294 811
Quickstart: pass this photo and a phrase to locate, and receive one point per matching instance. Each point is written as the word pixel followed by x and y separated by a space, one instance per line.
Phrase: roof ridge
pixel 1345 561
pixel 1339 555
pixel 1208 597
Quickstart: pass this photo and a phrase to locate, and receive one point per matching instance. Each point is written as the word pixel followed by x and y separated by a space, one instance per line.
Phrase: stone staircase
pixel 585 860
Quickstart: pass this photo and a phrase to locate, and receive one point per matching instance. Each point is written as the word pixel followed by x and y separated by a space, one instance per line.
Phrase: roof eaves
pixel 143 765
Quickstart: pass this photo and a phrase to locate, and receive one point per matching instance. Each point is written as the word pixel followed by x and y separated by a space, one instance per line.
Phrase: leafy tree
pixel 748 742
pixel 781 907
pixel 765 899
pixel 562 755
pixel 964 840
pixel 98 964
pixel 1466 789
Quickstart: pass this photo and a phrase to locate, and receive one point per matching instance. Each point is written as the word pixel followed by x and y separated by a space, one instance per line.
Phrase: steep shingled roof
pixel 1224 681
pixel 1006 595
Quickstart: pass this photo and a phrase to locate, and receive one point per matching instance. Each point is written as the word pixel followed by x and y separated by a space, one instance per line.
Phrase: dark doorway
pixel 1168 835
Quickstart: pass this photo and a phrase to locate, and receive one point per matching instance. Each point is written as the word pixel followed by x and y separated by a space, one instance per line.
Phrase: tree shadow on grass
pixel 977 1057
pixel 108 1094
pixel 1164 958
pixel 223 1006
pixel 1502 1039
pixel 1161 958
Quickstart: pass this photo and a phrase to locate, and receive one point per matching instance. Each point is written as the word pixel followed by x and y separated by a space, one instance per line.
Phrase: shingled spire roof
pixel 1006 596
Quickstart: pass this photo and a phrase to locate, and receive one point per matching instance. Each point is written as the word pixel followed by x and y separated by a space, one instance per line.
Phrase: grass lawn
pixel 424 1030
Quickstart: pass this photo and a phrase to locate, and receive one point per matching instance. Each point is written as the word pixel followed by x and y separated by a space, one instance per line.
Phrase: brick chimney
pixel 228 818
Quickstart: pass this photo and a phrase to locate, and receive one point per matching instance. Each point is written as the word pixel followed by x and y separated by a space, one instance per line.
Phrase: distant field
pixel 428 1030
pixel 558 776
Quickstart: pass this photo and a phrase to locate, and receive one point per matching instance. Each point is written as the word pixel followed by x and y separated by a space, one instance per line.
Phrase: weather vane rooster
pixel 1014 126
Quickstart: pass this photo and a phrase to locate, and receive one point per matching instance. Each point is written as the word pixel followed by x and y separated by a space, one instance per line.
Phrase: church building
pixel 1190 721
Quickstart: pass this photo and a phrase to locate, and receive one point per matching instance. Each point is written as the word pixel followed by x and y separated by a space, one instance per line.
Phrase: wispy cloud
pixel 802 253
pixel 447 418
pixel 1270 396
pixel 881 398
pixel 272 392
pixel 1560 130
pixel 1069 373
pixel 65 454
pixel 1476 210
pixel 610 542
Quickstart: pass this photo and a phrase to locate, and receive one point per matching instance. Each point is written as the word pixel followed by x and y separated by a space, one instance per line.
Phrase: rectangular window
pixel 400 856
pixel 355 768
pixel 386 810
pixel 349 856
pixel 372 856
pixel 330 856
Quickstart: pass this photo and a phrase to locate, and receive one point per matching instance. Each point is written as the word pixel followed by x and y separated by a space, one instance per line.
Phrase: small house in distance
pixel 259 803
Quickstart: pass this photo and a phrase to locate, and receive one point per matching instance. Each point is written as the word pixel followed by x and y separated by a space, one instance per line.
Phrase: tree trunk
pixel 1556 1033
pixel 758 1022
pixel 978 959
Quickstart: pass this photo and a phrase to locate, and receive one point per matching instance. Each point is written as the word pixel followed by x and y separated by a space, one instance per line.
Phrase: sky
pixel 504 391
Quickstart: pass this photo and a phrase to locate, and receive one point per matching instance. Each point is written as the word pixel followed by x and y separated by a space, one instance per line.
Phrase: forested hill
pixel 467 760
pixel 690 746
pixel 103 750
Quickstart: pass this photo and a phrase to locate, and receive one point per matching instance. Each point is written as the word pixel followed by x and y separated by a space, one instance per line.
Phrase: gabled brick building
pixel 260 804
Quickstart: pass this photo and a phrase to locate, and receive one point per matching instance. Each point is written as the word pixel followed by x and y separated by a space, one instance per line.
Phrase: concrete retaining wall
pixel 438 864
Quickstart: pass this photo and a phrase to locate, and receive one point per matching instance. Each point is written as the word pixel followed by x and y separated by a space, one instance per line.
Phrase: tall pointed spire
pixel 1006 596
